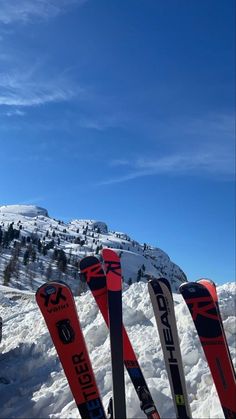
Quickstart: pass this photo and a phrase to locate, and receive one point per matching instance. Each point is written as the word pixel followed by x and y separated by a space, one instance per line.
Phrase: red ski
pixel 92 270
pixel 114 298
pixel 57 305
pixel 202 301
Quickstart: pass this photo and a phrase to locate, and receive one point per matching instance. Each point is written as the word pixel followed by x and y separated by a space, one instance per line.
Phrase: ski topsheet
pixel 114 297
pixel 92 270
pixel 163 307
pixel 201 299
pixel 57 305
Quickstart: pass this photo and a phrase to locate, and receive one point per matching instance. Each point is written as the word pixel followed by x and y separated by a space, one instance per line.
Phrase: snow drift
pixel 33 384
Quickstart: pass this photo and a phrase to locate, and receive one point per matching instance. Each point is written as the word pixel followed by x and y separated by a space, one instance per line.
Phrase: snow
pixel 77 239
pixel 25 210
pixel 33 384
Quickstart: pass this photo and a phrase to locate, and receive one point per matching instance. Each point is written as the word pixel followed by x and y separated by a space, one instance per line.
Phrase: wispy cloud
pixel 188 163
pixel 197 146
pixel 12 11
pixel 28 88
pixel 14 112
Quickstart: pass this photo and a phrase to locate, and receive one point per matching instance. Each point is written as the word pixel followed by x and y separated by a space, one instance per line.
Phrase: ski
pixel 201 299
pixel 163 307
pixel 57 305
pixel 211 286
pixel 114 298
pixel 91 269
pixel 0 329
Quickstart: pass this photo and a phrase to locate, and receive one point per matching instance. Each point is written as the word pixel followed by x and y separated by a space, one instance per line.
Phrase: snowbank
pixel 25 210
pixel 33 384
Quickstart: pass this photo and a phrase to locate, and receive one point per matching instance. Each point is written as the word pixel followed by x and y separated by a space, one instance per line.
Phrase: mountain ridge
pixel 35 247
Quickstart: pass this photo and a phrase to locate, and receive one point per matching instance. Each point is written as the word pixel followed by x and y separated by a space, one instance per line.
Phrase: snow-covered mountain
pixel 35 247
pixel 33 384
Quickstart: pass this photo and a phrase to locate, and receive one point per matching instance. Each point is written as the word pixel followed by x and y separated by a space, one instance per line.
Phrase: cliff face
pixel 35 247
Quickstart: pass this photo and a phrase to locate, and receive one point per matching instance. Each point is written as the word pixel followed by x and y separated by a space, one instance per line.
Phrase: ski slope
pixel 76 239
pixel 33 384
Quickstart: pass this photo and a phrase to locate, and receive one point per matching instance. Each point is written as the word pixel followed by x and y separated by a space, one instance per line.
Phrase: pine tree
pixel 7 274
pixel 26 257
pixel 139 275
pixel 49 272
pixel 62 260
pixel 39 246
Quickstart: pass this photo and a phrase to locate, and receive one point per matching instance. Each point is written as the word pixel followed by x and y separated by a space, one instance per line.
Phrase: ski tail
pixel 163 307
pixel 205 313
pixel 114 297
pixel 92 270
pixel 57 305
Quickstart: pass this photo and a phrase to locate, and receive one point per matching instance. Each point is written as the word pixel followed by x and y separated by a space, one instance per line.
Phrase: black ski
pixel 114 296
pixel 202 302
pixel 92 270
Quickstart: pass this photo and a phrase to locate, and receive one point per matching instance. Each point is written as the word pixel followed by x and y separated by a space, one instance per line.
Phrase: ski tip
pixel 207 280
pixel 50 286
pixel 186 285
pixel 157 283
pixel 194 289
pixel 88 261
pixel 112 268
pixel 108 253
pixel 154 288
pixel 166 283
pixel 211 287
pixel 153 285
pixel 91 271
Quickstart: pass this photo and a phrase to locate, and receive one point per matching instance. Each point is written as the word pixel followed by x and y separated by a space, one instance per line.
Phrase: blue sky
pixel 123 111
